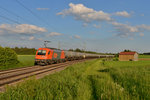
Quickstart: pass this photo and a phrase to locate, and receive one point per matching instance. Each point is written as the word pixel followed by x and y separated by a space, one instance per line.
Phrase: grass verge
pixel 24 61
pixel 144 56
pixel 91 80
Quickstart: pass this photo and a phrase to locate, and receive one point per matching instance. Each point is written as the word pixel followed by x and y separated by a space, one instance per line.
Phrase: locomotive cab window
pixel 41 52
pixel 49 53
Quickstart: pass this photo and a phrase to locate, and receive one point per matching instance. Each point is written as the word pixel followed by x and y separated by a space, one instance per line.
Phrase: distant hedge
pixel 24 51
pixel 7 56
pixel 148 53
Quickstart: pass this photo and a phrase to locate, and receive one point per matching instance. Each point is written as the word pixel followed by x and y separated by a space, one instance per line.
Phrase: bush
pixel 7 56
pixel 115 59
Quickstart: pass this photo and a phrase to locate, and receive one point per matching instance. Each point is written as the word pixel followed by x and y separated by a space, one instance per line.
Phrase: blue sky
pixel 97 25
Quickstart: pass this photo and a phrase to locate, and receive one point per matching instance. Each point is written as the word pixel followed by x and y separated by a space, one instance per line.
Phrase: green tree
pixel 7 56
pixel 24 51
pixel 127 50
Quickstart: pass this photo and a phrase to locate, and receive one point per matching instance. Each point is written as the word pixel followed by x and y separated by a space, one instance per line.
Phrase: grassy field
pixel 24 61
pixel 92 80
pixel 144 56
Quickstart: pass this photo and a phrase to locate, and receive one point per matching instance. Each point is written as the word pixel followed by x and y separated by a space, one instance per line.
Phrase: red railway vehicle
pixel 45 56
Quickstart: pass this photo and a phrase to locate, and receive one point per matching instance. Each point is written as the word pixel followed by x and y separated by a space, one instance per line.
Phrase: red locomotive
pixel 45 56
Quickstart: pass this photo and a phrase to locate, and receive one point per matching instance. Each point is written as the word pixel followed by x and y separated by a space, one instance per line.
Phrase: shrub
pixel 7 56
pixel 115 59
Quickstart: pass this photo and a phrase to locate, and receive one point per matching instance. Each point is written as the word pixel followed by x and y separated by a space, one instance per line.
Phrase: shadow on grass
pixel 104 70
pixel 91 78
pixel 95 86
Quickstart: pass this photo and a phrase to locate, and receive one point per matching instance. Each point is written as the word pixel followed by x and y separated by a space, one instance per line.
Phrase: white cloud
pixel 123 13
pixel 80 12
pixel 97 26
pixel 87 15
pixel 54 34
pixel 144 27
pixel 42 8
pixel 125 30
pixel 31 38
pixel 77 36
pixel 20 29
pixel 83 13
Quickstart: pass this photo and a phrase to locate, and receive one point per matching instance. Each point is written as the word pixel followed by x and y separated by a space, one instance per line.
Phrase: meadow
pixel 90 80
pixel 24 61
pixel 144 56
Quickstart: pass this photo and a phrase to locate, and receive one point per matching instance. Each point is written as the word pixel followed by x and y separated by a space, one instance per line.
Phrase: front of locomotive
pixel 43 56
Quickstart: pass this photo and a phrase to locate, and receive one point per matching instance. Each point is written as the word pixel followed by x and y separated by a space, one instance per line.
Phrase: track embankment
pixel 13 76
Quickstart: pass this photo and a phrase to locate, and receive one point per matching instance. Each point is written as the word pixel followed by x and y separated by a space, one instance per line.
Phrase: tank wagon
pixel 46 56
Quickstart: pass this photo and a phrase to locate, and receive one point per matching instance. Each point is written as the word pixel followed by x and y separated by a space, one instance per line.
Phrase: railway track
pixel 13 76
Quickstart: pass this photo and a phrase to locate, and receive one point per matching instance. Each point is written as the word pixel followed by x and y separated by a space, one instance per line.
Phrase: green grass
pixel 144 56
pixel 24 61
pixel 133 77
pixel 91 80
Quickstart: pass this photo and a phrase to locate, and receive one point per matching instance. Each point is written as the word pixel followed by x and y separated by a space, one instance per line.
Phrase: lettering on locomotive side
pixel 55 55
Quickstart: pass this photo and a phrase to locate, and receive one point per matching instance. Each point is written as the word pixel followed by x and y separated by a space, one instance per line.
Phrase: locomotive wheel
pixel 56 61
pixel 61 61
pixel 35 63
pixel 46 63
pixel 64 60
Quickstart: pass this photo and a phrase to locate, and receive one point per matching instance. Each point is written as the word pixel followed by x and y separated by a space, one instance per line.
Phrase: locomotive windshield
pixel 41 52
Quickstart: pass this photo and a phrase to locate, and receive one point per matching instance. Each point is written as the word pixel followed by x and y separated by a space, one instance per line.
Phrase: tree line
pixel 148 53
pixel 91 52
pixel 32 51
pixel 24 51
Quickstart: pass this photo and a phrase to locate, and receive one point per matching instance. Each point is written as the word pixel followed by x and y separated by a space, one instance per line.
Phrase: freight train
pixel 47 56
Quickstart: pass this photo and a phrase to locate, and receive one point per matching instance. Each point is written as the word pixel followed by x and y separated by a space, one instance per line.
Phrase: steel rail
pixel 16 77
